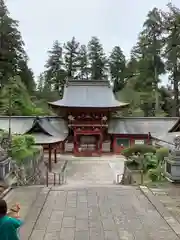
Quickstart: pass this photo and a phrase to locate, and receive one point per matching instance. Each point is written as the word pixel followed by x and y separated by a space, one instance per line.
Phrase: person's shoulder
pixel 14 221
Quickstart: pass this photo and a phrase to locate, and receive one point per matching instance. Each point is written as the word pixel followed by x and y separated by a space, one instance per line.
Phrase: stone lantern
pixel 172 162
pixel 5 161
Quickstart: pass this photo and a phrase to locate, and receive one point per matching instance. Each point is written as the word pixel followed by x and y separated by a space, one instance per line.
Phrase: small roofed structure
pixel 46 131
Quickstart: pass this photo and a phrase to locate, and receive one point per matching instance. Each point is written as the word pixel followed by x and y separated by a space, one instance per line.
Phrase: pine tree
pixel 54 73
pixel 71 57
pixel 15 99
pixel 97 59
pixel 171 23
pixel 11 45
pixel 117 63
pixel 83 65
pixel 27 76
pixel 40 83
pixel 148 53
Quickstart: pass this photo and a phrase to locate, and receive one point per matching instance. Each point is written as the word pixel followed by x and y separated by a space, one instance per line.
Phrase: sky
pixel 114 22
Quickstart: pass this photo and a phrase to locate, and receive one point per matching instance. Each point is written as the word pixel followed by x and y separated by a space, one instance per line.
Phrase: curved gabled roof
pixel 19 125
pixel 44 129
pixel 88 94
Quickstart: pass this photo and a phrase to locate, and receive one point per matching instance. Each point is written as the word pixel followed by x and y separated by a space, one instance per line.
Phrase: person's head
pixel 3 208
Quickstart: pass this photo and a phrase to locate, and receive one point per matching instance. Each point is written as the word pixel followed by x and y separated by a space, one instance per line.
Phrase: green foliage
pixel 171 27
pixel 71 57
pixel 154 174
pixel 54 76
pixel 141 148
pixel 83 63
pixel 132 164
pixel 151 160
pixel 97 59
pixel 29 139
pixel 161 153
pixel 117 65
pixel 15 100
pixel 22 147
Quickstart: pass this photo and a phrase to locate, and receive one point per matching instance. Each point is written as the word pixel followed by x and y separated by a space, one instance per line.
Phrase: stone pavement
pixel 89 172
pixel 102 213
pixel 89 207
pixel 94 170
pixel 169 196
pixel 25 196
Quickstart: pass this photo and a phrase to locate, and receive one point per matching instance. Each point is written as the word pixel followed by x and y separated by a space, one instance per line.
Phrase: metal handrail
pixel 61 175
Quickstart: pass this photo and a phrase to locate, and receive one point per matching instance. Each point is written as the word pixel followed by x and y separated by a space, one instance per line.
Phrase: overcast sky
pixel 114 22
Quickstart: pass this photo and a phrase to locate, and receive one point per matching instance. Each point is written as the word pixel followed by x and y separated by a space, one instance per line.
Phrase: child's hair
pixel 3 208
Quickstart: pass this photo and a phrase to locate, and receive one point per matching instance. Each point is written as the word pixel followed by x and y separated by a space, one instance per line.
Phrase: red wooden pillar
pixel 55 155
pixel 100 144
pixel 49 158
pixel 74 142
pixel 62 147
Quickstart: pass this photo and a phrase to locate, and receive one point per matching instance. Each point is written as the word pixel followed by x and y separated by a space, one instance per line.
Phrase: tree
pixel 171 23
pixel 97 59
pixel 132 67
pixel 40 83
pixel 148 50
pixel 148 53
pixel 27 76
pixel 15 100
pixel 167 101
pixel 83 64
pixel 71 57
pixel 55 73
pixel 117 64
pixel 12 46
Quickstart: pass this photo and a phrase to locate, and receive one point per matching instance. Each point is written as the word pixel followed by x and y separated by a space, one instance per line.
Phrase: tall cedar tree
pixel 11 45
pixel 171 23
pixel 117 64
pixel 97 59
pixel 40 83
pixel 148 51
pixel 27 76
pixel 55 74
pixel 83 63
pixel 71 57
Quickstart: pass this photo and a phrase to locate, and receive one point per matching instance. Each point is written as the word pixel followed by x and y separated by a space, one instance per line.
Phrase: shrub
pixel 154 174
pixel 141 148
pixel 21 155
pixel 133 165
pixel 29 140
pixel 22 147
pixel 161 153
pixel 18 142
pixel 151 160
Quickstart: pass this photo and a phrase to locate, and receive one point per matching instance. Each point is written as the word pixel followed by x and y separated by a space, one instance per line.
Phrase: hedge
pixel 138 148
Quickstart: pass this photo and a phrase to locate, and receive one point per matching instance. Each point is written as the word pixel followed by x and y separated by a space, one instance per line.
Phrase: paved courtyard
pixel 89 207
pixel 102 213
pixel 93 171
